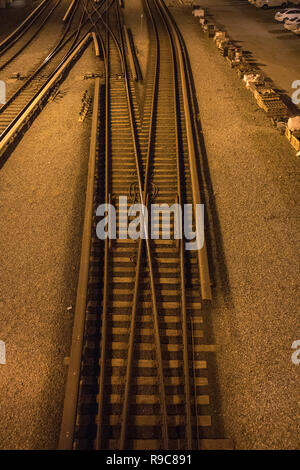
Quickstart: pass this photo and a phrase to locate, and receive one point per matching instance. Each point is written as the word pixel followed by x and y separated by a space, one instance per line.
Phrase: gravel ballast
pixel 255 254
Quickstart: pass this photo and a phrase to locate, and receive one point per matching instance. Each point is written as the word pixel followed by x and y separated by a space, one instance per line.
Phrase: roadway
pixel 273 47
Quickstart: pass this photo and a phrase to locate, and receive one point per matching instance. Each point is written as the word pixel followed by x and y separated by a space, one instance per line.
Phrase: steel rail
pixel 107 199
pixel 107 246
pixel 23 27
pixel 99 436
pixel 130 55
pixel 72 386
pixel 67 29
pixel 204 273
pixel 125 410
pixel 96 44
pixel 69 11
pixel 61 39
pixel 55 50
pixel 183 67
pixel 108 29
pixel 71 394
pixel 61 43
pixel 92 392
pixel 25 116
pixel 195 119
pixel 18 52
pixel 126 403
pixel 189 431
pixel 106 258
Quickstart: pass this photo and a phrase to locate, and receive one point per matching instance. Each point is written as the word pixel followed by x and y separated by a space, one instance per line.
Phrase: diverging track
pixel 138 368
pixel 20 41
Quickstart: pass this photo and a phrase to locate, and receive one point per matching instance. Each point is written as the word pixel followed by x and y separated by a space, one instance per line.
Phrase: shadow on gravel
pixel 266 20
pixel 10 150
pixel 216 254
pixel 11 147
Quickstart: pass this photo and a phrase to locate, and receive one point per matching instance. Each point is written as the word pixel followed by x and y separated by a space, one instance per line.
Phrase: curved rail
pixel 21 103
pixel 163 280
pixel 129 370
pixel 69 11
pixel 23 27
pixel 188 104
pixel 72 385
pixel 24 117
pixel 142 195
pixel 180 178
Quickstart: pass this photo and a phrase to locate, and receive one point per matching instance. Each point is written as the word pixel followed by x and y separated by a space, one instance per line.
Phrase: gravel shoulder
pixel 42 194
pixel 35 53
pixel 254 207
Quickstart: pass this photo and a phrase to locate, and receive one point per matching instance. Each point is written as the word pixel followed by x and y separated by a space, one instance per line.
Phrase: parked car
pixel 291 25
pixel 292 20
pixel 274 3
pixel 287 13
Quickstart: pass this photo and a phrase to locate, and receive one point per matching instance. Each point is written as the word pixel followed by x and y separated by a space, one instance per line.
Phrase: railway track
pixel 21 41
pixel 138 375
pixel 16 103
pixel 16 107
pixel 22 28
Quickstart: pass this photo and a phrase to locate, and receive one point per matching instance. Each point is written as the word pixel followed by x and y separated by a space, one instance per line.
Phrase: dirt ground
pixel 34 54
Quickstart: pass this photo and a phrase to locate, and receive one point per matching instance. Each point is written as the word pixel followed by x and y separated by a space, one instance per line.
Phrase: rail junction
pixel 138 372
